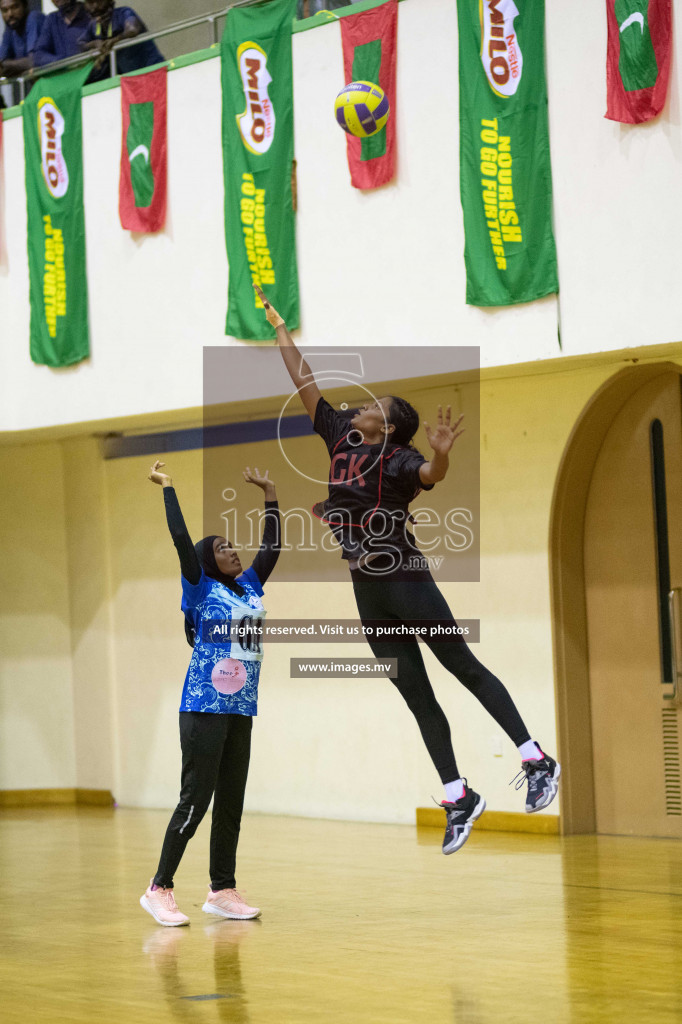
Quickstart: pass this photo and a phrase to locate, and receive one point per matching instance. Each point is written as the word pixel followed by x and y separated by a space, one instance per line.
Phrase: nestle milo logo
pixel 500 51
pixel 51 129
pixel 257 123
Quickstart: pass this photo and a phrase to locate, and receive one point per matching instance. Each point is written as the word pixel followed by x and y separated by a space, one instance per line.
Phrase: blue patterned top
pixel 223 675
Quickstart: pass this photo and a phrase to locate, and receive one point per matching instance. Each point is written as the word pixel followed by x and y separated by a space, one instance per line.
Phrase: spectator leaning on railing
pixel 22 28
pixel 111 25
pixel 306 8
pixel 61 32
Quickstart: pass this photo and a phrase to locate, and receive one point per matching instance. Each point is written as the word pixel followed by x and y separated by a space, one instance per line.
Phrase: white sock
pixel 530 751
pixel 454 791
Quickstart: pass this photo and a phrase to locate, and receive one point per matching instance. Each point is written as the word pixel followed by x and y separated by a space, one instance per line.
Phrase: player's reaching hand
pixel 254 476
pixel 271 313
pixel 157 477
pixel 262 480
pixel 298 368
pixel 444 434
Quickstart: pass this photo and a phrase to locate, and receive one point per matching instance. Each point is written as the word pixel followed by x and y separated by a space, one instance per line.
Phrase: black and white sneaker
pixel 542 777
pixel 461 815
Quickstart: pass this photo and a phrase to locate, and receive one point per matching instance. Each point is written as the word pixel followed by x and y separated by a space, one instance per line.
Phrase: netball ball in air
pixel 361 109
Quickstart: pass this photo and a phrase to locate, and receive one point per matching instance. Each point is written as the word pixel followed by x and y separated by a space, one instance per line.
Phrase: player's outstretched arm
pixel 268 553
pixel 189 563
pixel 299 371
pixel 441 439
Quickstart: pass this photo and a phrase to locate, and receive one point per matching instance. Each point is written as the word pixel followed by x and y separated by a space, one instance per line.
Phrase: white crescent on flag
pixel 139 151
pixel 637 16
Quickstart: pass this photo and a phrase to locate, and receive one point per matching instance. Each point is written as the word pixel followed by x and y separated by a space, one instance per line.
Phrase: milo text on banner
pixel 505 172
pixel 58 287
pixel 258 152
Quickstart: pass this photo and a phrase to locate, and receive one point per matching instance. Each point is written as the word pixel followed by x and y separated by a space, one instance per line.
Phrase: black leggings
pixel 215 763
pixel 399 600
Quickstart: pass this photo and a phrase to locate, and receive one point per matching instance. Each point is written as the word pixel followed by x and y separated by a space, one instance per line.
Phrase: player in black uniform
pixel 374 475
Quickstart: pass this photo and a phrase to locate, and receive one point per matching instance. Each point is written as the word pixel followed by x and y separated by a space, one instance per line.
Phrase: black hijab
pixel 206 556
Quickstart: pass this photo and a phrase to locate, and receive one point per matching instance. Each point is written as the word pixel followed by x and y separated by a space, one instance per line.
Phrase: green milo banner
pixel 56 223
pixel 505 172
pixel 258 150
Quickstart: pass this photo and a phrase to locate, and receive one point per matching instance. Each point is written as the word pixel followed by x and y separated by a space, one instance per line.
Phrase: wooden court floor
pixel 361 923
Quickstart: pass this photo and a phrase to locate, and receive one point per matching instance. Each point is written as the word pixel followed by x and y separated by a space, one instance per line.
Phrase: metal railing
pixel 211 20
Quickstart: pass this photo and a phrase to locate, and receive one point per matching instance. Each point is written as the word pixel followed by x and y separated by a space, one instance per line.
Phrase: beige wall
pixel 88 559
pixel 37 747
pixel 94 654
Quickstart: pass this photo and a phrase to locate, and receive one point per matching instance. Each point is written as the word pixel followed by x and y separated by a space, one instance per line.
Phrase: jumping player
pixel 218 700
pixel 375 473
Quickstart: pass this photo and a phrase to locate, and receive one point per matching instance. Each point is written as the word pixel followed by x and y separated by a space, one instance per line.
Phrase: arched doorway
pixel 613 560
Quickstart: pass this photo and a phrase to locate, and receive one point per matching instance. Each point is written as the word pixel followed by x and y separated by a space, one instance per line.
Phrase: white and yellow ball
pixel 361 109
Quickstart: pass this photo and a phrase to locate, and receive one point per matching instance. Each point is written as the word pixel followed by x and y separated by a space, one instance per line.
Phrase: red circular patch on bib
pixel 228 675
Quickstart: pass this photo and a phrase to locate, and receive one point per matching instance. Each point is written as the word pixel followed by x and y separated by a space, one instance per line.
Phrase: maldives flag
pixel 369 54
pixel 637 58
pixel 142 186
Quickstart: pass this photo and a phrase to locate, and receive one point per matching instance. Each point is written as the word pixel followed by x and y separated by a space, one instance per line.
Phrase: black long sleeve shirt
pixel 263 563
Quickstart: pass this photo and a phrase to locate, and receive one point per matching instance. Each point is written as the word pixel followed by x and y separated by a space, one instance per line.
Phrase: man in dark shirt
pixel 110 25
pixel 61 32
pixel 307 8
pixel 22 29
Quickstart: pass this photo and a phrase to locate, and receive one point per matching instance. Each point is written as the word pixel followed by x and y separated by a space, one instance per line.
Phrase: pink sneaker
pixel 160 903
pixel 228 903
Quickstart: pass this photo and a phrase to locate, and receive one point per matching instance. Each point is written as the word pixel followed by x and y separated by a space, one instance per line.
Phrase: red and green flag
pixel 144 152
pixel 505 173
pixel 637 58
pixel 369 42
pixel 58 286
pixel 258 153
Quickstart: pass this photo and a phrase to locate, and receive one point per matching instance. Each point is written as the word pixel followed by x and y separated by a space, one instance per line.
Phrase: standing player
pixel 374 475
pixel 218 700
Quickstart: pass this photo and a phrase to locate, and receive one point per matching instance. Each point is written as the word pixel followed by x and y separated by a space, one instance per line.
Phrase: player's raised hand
pixel 254 476
pixel 262 480
pixel 271 313
pixel 444 434
pixel 157 477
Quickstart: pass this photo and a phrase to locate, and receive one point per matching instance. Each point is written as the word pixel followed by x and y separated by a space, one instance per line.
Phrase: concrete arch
pixel 567 586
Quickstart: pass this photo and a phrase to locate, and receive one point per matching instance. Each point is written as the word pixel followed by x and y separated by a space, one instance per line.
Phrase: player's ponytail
pixel 405 420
